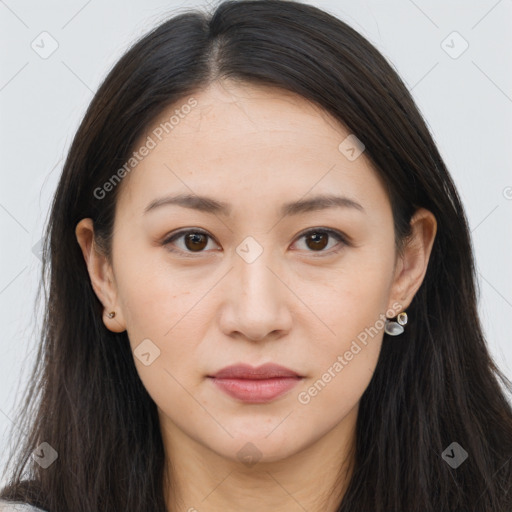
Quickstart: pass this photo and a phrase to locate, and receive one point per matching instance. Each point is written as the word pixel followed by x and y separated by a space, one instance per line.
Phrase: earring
pixel 396 328
pixel 112 314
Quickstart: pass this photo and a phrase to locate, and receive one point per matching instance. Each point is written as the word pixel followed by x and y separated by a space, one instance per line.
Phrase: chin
pixel 257 445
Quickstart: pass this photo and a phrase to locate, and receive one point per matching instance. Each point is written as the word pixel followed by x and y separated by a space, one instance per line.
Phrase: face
pixel 199 288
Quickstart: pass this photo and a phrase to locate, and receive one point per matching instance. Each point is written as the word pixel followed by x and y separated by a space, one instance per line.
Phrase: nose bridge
pixel 252 267
pixel 257 301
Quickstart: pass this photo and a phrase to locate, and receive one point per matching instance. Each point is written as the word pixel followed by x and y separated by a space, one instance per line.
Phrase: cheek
pixel 345 361
pixel 352 300
pixel 353 305
pixel 153 296
pixel 163 319
pixel 335 392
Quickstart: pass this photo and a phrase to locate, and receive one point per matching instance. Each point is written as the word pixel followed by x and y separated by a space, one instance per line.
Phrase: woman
pixel 261 289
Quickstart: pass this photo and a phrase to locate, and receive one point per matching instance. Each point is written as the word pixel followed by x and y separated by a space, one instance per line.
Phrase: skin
pixel 296 304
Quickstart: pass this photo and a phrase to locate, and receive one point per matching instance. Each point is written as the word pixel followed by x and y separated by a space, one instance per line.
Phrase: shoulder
pixel 12 506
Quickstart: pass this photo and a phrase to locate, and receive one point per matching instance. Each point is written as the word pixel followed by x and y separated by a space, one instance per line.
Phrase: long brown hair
pixel 434 385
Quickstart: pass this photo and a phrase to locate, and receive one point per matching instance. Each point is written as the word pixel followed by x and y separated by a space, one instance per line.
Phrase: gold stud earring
pixel 112 314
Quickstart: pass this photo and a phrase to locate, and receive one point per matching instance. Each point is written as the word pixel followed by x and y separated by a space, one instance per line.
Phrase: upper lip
pixel 245 371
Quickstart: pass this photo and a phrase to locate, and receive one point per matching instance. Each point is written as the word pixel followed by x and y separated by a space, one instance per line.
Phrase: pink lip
pixel 256 385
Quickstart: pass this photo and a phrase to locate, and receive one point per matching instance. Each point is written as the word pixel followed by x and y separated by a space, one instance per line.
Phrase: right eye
pixel 194 241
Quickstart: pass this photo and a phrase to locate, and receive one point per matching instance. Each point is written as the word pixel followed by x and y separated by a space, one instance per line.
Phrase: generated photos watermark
pixel 151 142
pixel 304 397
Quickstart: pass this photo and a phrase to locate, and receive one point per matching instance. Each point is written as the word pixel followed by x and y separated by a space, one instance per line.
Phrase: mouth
pixel 255 385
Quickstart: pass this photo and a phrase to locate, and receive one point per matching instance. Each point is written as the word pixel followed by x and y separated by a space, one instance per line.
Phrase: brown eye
pixel 196 241
pixel 316 240
pixel 193 241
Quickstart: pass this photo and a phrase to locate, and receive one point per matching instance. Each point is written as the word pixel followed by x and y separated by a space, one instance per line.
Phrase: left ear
pixel 411 265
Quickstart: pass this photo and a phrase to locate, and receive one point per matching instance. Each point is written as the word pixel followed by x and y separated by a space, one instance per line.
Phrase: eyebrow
pixel 213 206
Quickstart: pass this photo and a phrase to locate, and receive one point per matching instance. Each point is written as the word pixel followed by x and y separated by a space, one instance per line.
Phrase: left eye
pixel 317 239
pixel 195 241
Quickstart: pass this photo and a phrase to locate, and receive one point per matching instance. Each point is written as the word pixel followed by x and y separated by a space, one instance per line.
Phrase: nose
pixel 257 305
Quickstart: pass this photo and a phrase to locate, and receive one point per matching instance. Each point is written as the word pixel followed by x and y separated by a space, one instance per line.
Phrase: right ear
pixel 101 275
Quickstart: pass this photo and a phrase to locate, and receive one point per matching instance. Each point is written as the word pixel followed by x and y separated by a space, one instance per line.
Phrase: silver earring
pixel 396 328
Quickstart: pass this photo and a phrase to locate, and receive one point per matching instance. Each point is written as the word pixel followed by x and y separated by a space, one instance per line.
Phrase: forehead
pixel 240 140
pixel 245 114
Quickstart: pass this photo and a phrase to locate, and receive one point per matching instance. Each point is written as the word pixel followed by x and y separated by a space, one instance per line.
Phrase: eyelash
pixel 331 232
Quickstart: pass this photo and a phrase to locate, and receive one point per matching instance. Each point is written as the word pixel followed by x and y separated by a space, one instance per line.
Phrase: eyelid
pixel 338 235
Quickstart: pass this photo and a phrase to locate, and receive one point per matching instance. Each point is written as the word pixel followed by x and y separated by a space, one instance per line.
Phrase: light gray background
pixel 467 103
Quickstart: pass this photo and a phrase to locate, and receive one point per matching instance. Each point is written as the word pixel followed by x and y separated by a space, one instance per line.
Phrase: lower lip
pixel 256 391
